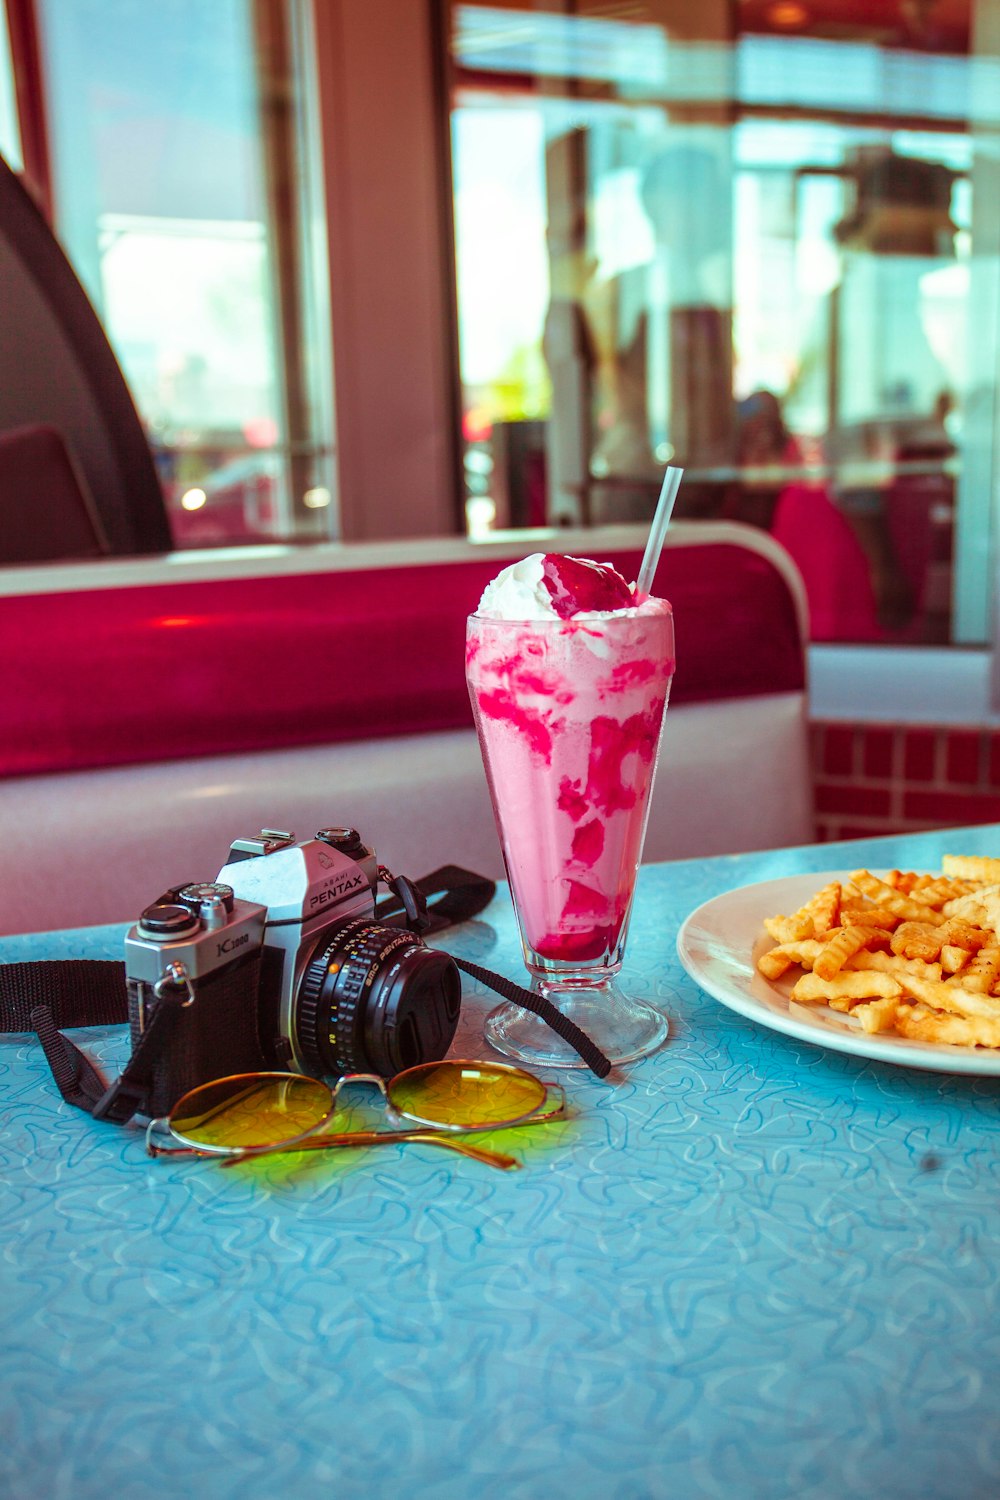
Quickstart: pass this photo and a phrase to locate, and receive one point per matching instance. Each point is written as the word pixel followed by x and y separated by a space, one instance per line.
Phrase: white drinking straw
pixel 657 532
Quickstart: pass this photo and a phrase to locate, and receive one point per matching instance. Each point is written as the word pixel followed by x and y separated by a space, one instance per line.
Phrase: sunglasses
pixel 252 1114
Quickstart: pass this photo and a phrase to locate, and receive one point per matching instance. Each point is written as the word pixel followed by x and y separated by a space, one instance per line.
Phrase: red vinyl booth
pixel 144 725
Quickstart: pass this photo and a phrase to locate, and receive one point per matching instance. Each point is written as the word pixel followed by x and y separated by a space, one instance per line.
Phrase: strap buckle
pixel 120 1102
pixel 410 897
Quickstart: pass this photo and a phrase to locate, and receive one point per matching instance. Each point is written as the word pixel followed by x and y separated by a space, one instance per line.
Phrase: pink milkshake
pixel 569 675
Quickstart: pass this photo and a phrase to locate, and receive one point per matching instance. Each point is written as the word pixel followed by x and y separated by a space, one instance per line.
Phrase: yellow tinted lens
pixel 467 1094
pixel 251 1110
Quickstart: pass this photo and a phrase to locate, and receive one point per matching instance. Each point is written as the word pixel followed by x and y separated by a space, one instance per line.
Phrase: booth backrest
pixel 117 676
pixel 57 368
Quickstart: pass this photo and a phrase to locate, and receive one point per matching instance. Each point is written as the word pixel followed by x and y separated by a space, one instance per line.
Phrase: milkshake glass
pixel 569 713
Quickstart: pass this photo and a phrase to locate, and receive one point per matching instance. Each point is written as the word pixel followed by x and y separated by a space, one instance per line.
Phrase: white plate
pixel 720 943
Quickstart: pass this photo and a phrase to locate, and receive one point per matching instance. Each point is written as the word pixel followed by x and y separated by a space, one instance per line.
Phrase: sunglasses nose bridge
pixel 346 1078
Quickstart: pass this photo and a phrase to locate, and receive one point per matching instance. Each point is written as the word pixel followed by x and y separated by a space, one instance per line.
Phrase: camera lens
pixel 374 999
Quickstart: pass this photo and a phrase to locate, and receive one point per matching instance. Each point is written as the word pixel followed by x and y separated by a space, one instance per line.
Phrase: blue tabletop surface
pixel 749 1267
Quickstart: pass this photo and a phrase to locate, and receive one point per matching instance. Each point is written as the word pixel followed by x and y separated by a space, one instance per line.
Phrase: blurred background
pixel 389 268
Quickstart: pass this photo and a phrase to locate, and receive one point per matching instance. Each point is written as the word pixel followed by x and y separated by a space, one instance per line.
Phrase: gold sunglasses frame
pixel 430 1132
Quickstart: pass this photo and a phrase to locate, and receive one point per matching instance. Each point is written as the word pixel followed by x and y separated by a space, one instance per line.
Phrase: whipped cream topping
pixel 519 592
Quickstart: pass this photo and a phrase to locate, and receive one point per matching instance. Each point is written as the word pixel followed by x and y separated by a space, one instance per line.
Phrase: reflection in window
pixel 756 255
pixel 178 162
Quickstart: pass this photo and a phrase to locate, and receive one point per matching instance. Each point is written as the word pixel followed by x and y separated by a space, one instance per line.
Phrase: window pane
pixel 175 138
pixel 767 254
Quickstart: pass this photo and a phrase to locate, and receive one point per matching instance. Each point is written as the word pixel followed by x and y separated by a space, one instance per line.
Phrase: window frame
pixel 388 189
pixel 29 93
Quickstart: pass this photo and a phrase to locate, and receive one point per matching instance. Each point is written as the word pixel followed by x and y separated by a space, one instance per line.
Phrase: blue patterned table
pixel 753 1268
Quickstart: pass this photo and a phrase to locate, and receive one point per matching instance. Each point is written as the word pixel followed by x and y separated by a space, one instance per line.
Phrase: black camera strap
pixel 78 992
pixel 65 993
pixel 464 896
pixel 460 895
pixel 41 997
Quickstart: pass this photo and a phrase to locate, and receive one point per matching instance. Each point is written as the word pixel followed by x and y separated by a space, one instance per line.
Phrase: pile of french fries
pixel 915 955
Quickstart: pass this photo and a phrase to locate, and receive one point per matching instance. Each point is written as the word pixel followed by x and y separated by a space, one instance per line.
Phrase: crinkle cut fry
pixel 823 908
pixel 877 1016
pixel 953 998
pixel 936 890
pixel 870 916
pixel 890 963
pixel 793 929
pixel 971 867
pixel 953 959
pixel 777 961
pixel 972 907
pixel 923 1025
pixel 961 934
pixel 935 985
pixel 812 920
pixel 856 984
pixel 917 940
pixel 982 971
pixel 883 895
pixel 839 949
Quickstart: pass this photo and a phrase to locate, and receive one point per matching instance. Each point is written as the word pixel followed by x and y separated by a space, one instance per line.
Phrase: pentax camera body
pixel 285 968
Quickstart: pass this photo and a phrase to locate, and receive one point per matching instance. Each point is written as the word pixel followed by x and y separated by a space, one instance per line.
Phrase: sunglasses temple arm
pixel 357 1139
pixel 152 1149
pixel 556 1088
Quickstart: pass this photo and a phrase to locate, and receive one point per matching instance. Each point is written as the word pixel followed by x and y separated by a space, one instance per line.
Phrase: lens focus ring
pixel 357 946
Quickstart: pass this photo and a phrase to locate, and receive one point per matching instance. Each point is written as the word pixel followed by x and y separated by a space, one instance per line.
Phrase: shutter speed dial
pixel 210 899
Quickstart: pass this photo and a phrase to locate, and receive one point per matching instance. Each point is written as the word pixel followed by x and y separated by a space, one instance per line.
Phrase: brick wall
pixel 891 778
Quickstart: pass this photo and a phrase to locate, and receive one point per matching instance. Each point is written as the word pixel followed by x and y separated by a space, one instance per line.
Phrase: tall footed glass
pixel 569 714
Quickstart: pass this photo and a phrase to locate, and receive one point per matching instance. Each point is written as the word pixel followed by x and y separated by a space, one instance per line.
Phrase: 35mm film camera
pixel 285 967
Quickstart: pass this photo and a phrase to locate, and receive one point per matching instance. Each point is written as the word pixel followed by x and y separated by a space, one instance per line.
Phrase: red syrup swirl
pixel 577 586
pixel 610 743
pixel 591 942
pixel 534 726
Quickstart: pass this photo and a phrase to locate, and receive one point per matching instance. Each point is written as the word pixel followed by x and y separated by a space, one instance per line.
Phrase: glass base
pixel 624 1029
